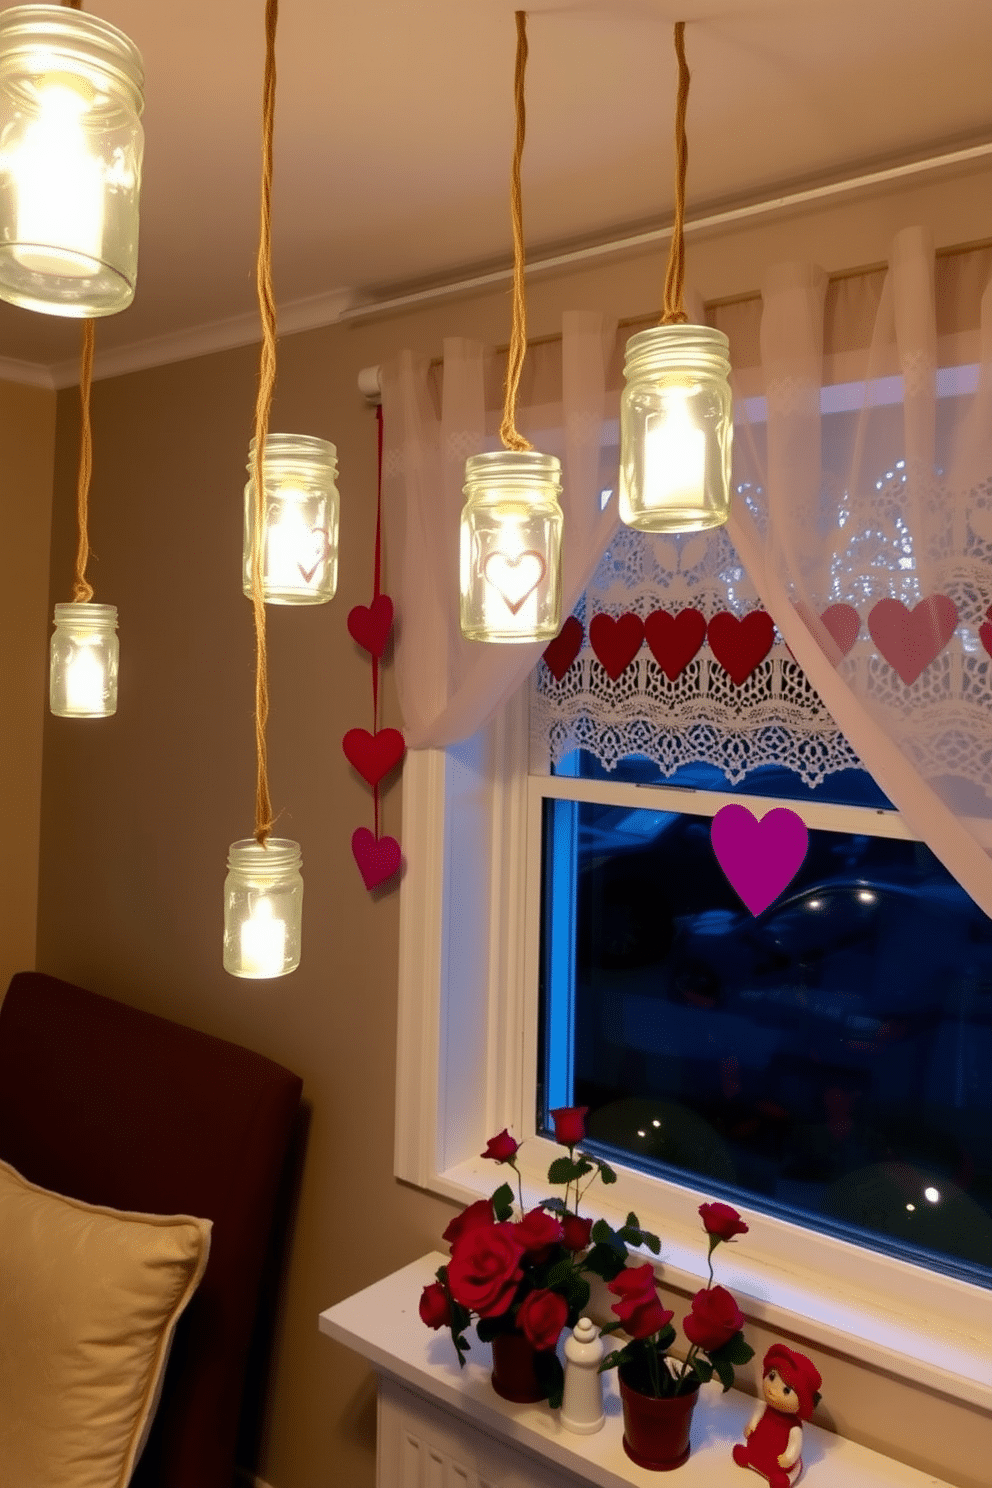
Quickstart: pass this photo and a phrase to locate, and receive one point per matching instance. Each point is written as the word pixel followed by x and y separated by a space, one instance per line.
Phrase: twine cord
pixel 674 312
pixel 263 408
pixel 82 592
pixel 508 432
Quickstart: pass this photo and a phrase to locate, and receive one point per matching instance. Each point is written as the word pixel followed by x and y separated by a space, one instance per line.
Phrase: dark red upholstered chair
pixel 115 1106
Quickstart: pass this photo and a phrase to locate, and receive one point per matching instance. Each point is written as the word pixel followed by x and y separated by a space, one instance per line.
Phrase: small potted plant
pixel 659 1392
pixel 521 1274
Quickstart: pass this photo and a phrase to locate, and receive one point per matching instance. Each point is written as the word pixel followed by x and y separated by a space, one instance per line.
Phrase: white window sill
pixel 382 1324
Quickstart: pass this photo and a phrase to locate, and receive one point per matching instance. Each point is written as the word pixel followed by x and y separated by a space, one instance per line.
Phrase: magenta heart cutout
pixel 373 755
pixel 911 639
pixel 378 858
pixel 616 642
pixel 370 625
pixel 740 646
pixel 562 651
pixel 674 639
pixel 760 858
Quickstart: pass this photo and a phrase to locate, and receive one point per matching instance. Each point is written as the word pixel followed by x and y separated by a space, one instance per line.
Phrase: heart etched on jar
pixel 514 576
pixel 316 545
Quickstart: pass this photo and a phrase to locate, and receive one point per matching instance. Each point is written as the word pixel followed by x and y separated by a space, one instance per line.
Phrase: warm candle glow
pixel 85 681
pixel 263 942
pixel 59 185
pixel 674 459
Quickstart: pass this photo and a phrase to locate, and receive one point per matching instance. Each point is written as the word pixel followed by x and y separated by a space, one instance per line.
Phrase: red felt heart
pixel 562 651
pixel 842 623
pixel 373 755
pixel 378 858
pixel 911 639
pixel 985 636
pixel 740 646
pixel 674 639
pixel 370 624
pixel 616 642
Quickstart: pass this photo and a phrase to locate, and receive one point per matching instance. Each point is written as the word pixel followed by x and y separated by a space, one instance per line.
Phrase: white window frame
pixel 467 1067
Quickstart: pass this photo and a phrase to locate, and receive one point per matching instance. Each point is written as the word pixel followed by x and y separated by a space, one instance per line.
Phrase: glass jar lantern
pixel 82 677
pixel 511 547
pixel 300 520
pixel 263 908
pixel 676 430
pixel 71 144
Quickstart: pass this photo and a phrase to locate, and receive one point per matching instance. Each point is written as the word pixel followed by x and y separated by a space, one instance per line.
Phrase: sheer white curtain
pixel 448 686
pixel 878 489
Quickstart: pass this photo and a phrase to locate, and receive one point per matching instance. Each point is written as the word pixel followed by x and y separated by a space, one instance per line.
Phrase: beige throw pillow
pixel 89 1299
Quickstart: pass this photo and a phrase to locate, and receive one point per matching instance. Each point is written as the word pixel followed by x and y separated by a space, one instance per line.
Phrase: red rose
pixel 434 1307
pixel 570 1124
pixel 501 1148
pixel 541 1316
pixel 714 1319
pixel 721 1221
pixel 576 1231
pixel 477 1214
pixel 484 1269
pixel 539 1230
pixel 639 1309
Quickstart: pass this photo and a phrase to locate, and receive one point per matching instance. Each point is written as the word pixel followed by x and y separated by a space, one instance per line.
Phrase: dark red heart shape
pixel 616 642
pixel 370 624
pixel 985 636
pixel 674 639
pixel 373 755
pixel 911 639
pixel 378 858
pixel 562 651
pixel 740 646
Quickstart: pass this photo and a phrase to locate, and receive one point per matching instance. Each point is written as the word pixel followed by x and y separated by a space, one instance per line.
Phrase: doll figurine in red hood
pixel 790 1384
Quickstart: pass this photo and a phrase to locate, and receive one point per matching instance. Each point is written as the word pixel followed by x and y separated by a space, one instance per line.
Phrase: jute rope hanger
pixel 674 312
pixel 263 409
pixel 82 592
pixel 508 432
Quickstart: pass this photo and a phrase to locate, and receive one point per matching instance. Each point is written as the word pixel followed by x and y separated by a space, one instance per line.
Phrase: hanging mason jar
pixel 511 547
pixel 676 430
pixel 300 521
pixel 263 907
pixel 82 677
pixel 70 161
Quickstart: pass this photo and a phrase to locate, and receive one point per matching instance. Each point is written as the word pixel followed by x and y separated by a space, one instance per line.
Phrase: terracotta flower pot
pixel 656 1429
pixel 514 1375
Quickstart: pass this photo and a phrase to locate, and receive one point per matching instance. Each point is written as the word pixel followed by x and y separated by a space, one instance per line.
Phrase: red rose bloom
pixel 639 1309
pixel 501 1148
pixel 714 1319
pixel 434 1308
pixel 541 1316
pixel 576 1231
pixel 570 1124
pixel 484 1269
pixel 539 1230
pixel 477 1214
pixel 721 1221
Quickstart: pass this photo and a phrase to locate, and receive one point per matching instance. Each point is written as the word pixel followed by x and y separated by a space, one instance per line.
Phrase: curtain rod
pixel 731 215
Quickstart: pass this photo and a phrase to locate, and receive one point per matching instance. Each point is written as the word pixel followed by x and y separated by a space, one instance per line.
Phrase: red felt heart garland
pixel 740 646
pixel 562 651
pixel 616 642
pixel 985 631
pixel 910 640
pixel 374 754
pixel 674 639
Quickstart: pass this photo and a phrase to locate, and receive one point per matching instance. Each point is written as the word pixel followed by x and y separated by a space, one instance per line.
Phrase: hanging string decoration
pixel 374 755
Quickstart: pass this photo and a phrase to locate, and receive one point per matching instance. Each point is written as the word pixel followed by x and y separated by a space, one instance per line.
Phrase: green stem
pixel 653 1368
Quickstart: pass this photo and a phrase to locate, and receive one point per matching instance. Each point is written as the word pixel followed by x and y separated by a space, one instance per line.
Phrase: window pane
pixel 827 1061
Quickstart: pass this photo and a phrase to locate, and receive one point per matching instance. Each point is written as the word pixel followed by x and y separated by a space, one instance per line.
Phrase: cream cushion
pixel 89 1299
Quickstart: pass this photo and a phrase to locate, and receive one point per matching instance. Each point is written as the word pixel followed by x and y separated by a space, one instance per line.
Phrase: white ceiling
pixel 394 130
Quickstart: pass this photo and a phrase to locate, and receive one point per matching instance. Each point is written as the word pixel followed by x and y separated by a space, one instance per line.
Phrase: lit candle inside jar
pixel 59 185
pixel 85 681
pixel 291 563
pixel 263 942
pixel 674 458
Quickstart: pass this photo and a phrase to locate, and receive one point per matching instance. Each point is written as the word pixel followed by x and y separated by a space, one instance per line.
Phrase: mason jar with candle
pixel 263 908
pixel 299 555
pixel 71 146
pixel 511 547
pixel 82 678
pixel 676 430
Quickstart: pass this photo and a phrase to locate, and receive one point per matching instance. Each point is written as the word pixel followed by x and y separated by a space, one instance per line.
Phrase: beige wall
pixel 27 442
pixel 138 811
